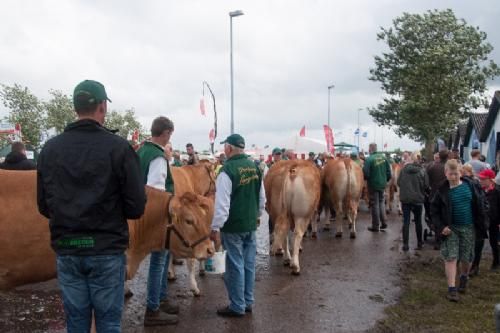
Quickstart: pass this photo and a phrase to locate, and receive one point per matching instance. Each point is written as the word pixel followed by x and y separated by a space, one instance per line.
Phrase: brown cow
pixel 26 255
pixel 343 180
pixel 292 192
pixel 392 188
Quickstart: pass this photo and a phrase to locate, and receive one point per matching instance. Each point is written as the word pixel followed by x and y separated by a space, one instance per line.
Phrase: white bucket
pixel 216 264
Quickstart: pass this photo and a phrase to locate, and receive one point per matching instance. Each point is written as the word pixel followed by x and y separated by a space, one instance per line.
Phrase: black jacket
pixel 413 182
pixel 89 184
pixel 441 213
pixel 17 161
pixel 493 197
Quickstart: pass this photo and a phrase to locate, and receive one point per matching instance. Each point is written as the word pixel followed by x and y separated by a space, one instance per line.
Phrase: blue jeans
pixel 157 279
pixel 92 283
pixel 239 277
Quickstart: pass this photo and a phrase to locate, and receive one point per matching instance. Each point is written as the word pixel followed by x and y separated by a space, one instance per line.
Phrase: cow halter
pixel 171 228
pixel 211 186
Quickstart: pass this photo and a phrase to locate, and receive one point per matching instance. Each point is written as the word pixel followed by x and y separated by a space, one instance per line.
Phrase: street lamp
pixel 329 88
pixel 231 15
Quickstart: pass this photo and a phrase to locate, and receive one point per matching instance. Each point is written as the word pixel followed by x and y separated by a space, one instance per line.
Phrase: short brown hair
pixel 160 125
pixel 475 153
pixel 443 155
pixel 452 165
pixel 17 147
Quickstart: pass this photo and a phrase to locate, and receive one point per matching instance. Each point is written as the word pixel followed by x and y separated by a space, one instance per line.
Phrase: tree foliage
pixel 59 110
pixel 26 110
pixel 125 123
pixel 434 73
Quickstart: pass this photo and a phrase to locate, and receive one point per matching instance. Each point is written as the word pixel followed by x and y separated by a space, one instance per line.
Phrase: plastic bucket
pixel 216 264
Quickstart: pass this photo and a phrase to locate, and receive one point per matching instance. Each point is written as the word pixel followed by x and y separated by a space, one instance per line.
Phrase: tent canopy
pixel 304 145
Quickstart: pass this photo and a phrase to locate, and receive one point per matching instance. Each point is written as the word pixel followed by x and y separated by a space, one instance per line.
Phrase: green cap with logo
pixel 235 140
pixel 88 93
pixel 276 151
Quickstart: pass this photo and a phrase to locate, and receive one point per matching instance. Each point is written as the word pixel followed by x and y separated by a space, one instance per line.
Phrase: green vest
pixel 378 170
pixel 148 152
pixel 246 180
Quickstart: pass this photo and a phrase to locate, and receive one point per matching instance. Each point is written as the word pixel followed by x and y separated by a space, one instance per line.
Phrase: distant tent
pixel 304 145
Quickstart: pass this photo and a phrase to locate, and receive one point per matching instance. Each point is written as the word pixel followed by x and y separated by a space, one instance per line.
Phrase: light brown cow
pixel 343 180
pixel 391 189
pixel 292 192
pixel 26 255
pixel 200 179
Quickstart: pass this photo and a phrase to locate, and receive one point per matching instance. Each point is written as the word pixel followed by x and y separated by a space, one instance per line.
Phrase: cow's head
pixel 189 229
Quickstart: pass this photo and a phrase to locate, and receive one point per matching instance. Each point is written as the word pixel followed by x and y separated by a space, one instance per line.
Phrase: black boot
pixel 406 236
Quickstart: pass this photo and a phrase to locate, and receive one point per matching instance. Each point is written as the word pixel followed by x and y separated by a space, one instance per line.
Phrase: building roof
pixel 477 121
pixel 492 116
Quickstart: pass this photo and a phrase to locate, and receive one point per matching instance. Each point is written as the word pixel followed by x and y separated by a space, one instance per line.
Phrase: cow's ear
pixel 174 206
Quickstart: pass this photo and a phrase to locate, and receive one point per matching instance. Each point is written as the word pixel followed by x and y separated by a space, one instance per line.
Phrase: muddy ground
pixel 344 286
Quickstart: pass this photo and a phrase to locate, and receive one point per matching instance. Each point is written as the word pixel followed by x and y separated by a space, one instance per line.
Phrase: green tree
pixel 24 109
pixel 125 123
pixel 60 111
pixel 434 73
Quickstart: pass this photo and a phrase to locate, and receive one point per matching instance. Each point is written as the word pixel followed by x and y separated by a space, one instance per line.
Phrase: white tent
pixel 304 145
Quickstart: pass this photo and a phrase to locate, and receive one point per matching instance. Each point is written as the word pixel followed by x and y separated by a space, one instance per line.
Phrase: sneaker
pixel 169 306
pixel 452 296
pixel 383 226
pixel 373 229
pixel 463 284
pixel 227 312
pixel 474 271
pixel 248 309
pixel 159 318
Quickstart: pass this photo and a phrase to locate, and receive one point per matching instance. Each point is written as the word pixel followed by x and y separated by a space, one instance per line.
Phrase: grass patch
pixel 423 306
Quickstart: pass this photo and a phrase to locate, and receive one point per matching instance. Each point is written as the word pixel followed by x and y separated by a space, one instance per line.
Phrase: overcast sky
pixel 154 55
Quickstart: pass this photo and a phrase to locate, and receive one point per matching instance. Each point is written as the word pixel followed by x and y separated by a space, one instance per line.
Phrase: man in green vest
pixel 156 173
pixel 239 202
pixel 377 171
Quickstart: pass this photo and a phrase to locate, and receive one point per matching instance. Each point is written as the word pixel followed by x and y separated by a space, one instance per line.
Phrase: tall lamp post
pixel 329 88
pixel 231 15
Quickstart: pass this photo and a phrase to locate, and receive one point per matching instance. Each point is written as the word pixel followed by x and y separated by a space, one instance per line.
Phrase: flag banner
pixel 202 106
pixel 329 139
pixel 356 132
pixel 302 132
pixel 385 145
pixel 135 136
pixel 365 134
pixel 211 135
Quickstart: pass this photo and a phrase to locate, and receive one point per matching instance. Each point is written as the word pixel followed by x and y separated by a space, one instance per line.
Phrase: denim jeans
pixel 377 207
pixel 92 283
pixel 239 278
pixel 416 209
pixel 157 279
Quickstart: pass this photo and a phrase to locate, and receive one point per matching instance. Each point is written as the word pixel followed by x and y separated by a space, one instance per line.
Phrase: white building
pixel 490 136
pixel 473 132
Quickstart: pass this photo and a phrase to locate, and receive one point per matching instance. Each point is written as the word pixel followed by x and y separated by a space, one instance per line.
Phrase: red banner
pixel 329 139
pixel 211 135
pixel 202 106
pixel 302 131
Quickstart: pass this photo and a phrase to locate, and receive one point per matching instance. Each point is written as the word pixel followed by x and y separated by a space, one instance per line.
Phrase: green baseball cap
pixel 88 93
pixel 235 140
pixel 276 151
pixel 311 153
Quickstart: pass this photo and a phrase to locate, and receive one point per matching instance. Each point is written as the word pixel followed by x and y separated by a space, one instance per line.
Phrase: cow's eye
pixel 189 221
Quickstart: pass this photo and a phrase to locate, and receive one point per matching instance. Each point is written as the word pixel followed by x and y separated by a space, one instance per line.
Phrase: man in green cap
pixel 89 184
pixel 239 202
pixel 377 172
pixel 276 154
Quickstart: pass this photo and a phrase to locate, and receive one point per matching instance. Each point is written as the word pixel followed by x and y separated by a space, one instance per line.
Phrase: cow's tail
pixel 287 186
pixel 348 194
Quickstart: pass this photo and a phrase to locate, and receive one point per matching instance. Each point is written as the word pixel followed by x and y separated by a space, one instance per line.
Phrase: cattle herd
pixel 296 191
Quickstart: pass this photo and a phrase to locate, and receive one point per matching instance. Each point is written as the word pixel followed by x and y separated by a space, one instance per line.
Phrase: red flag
pixel 302 131
pixel 385 145
pixel 135 136
pixel 329 139
pixel 202 106
pixel 211 135
pixel 18 127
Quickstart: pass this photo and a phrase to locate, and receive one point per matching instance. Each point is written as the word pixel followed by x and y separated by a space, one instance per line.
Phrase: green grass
pixel 423 306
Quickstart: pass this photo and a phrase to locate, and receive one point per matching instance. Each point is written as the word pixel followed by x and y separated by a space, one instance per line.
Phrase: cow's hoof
pixel 295 272
pixel 338 235
pixel 279 252
pixel 400 213
pixel 326 228
pixel 196 292
pixel 353 235
pixel 177 262
pixel 171 277
pixel 314 235
pixel 286 262
pixel 201 272
pixel 128 294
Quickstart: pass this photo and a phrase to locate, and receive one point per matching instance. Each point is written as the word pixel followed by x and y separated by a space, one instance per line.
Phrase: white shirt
pixel 157 174
pixel 223 186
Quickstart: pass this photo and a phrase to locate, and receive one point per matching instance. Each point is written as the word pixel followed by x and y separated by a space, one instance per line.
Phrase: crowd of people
pixel 91 181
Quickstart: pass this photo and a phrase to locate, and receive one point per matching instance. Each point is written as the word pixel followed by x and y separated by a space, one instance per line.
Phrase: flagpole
pixel 215 112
